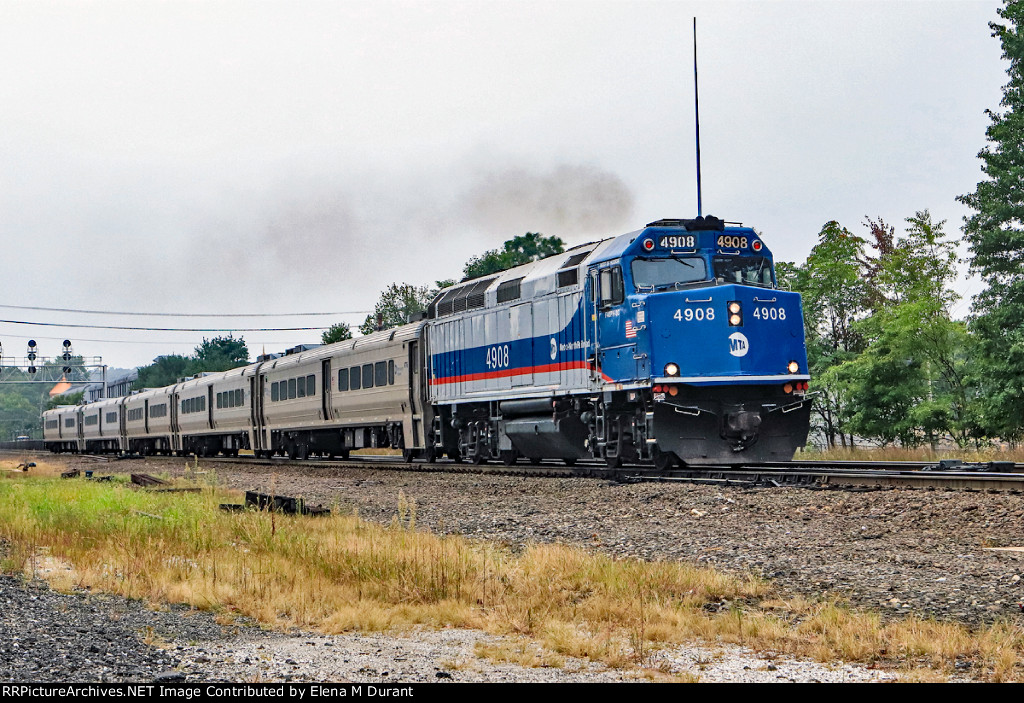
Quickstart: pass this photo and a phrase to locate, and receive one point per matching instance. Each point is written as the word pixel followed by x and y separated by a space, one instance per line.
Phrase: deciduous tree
pixel 995 236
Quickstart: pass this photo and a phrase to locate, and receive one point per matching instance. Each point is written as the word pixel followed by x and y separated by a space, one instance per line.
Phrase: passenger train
pixel 668 344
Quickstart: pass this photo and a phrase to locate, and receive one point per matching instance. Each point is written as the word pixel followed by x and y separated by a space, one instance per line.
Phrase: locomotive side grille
pixel 463 298
pixel 445 306
pixel 576 259
pixel 475 294
pixel 568 277
pixel 510 290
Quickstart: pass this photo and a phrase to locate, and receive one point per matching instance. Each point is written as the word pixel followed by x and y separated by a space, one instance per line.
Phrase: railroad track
pixel 811 474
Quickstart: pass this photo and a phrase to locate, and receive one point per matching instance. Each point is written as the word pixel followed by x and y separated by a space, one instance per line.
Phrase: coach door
pixel 257 387
pixel 254 414
pixel 122 425
pixel 416 395
pixel 173 401
pixel 325 396
pixel 209 407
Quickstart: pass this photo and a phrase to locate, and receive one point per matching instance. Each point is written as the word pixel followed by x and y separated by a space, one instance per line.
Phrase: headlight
pixel 793 367
pixel 671 369
pixel 735 313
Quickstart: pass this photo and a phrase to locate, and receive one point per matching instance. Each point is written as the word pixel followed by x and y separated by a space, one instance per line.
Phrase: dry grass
pixel 9 468
pixel 341 574
pixel 519 651
pixel 912 454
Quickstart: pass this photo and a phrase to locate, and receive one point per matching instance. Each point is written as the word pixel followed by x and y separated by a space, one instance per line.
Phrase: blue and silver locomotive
pixel 671 343
pixel 668 344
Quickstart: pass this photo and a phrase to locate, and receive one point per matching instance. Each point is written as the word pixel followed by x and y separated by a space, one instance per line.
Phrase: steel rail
pixel 818 474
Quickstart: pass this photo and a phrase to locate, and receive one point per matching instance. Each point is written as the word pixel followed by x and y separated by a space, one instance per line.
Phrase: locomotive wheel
pixel 663 461
pixel 535 460
pixel 478 458
pixel 293 451
pixel 455 456
pixel 613 462
pixel 569 462
pixel 343 454
pixel 430 455
pixel 509 457
pixel 303 451
pixel 408 455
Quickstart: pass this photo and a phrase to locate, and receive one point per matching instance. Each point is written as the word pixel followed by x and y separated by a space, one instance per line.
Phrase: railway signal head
pixel 32 351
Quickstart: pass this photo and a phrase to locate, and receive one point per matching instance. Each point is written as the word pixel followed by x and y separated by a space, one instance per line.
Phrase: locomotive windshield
pixel 661 273
pixel 748 270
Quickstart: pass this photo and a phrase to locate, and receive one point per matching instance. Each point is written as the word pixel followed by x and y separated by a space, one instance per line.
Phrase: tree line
pixel 887 358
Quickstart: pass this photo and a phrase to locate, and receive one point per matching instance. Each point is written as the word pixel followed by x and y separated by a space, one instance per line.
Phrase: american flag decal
pixel 630 330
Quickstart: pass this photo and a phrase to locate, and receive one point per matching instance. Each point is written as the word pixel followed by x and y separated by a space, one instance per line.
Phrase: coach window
pixel 239 397
pixel 291 389
pixel 343 380
pixel 311 385
pixel 275 392
pixel 354 377
pixel 367 375
pixel 301 383
pixel 391 372
pixel 380 373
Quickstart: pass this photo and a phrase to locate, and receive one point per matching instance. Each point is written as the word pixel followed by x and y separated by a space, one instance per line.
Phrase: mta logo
pixel 738 344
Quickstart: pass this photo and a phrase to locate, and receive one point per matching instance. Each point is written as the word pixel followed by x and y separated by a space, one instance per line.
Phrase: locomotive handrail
pixel 758 300
pixel 690 410
pixel 708 300
pixel 796 405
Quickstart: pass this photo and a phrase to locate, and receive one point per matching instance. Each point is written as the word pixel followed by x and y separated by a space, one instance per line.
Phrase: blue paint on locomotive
pixel 683 324
pixel 566 349
pixel 688 324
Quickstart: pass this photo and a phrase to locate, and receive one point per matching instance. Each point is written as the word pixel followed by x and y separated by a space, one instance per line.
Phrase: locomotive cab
pixel 688 320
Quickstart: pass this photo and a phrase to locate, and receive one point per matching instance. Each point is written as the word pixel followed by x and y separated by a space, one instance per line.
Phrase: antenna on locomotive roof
pixel 696 113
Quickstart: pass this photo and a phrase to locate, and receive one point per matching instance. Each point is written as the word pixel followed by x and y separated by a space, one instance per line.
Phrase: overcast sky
pixel 289 157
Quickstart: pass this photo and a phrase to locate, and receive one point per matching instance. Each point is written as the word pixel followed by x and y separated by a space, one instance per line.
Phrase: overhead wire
pixel 165 329
pixel 187 314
